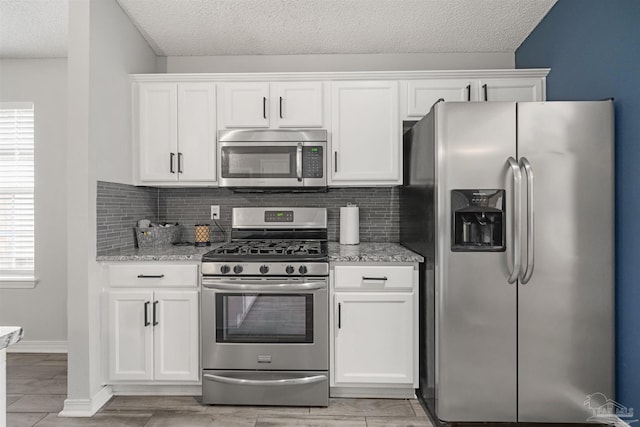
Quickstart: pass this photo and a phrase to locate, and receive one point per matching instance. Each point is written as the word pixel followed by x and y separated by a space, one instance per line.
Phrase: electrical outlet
pixel 215 212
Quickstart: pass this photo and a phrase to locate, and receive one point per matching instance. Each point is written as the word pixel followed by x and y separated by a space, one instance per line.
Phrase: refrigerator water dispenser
pixel 478 221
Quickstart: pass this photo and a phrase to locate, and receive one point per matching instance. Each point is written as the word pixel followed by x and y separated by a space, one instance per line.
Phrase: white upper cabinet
pixel 422 94
pixel 243 105
pixel 521 89
pixel 177 117
pixel 365 133
pixel 196 132
pixel 177 132
pixel 270 105
pixel 299 104
pixel 158 131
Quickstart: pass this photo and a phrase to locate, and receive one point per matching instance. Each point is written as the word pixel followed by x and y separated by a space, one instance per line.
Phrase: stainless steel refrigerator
pixel 512 206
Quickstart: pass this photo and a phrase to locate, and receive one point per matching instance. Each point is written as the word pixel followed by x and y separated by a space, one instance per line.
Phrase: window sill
pixel 18 282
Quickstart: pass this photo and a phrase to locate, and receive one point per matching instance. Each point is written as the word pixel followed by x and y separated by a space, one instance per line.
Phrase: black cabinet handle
pixel 335 161
pixel 339 315
pixel 280 107
pixel 171 157
pixel 179 162
pixel 150 276
pixel 264 107
pixel 146 314
pixel 484 88
pixel 468 92
pixel 383 278
pixel 155 304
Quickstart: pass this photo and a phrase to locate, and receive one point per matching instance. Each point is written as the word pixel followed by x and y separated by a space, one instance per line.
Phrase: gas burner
pixel 292 248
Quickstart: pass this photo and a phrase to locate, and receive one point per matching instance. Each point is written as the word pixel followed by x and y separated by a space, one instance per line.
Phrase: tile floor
pixel 37 387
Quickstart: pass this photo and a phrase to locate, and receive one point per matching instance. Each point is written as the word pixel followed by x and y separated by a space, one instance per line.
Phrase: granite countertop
pixel 10 335
pixel 372 252
pixel 364 252
pixel 168 253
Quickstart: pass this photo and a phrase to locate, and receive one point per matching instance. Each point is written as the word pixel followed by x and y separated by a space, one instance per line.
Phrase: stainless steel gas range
pixel 264 312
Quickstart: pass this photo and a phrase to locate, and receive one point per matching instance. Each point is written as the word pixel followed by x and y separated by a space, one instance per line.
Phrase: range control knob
pixel 237 269
pixel 264 269
pixel 224 269
pixel 302 269
pixel 289 269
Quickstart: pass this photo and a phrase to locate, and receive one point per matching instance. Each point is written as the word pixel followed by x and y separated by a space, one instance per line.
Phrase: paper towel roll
pixel 350 225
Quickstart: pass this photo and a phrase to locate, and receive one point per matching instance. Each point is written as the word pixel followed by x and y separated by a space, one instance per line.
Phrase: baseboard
pixel 374 393
pixel 86 407
pixel 156 390
pixel 27 346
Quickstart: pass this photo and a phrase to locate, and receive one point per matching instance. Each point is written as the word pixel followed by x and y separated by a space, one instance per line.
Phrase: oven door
pixel 265 323
pixel 272 164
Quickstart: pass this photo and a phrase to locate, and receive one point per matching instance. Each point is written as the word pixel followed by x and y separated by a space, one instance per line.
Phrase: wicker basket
pixel 156 237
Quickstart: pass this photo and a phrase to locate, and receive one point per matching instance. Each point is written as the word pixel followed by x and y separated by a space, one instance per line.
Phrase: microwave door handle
pixel 299 162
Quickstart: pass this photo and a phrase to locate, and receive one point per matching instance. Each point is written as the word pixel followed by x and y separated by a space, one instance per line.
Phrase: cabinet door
pixel 511 90
pixel 130 335
pixel 176 335
pixel 365 133
pixel 422 94
pixel 196 132
pixel 244 105
pixel 297 104
pixel 158 131
pixel 374 336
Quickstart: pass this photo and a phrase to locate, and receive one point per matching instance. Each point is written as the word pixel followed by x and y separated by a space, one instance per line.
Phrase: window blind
pixel 16 190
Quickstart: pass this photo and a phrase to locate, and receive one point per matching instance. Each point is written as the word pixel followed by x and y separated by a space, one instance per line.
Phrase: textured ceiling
pixel 272 27
pixel 38 28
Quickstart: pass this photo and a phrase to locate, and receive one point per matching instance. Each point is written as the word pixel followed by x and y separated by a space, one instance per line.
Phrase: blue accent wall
pixel 593 50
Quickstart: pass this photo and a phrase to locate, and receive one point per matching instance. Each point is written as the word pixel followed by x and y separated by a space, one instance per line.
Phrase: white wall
pixel 104 48
pixel 361 62
pixel 42 311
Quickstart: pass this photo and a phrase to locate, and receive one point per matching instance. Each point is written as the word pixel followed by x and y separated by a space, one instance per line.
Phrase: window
pixel 16 195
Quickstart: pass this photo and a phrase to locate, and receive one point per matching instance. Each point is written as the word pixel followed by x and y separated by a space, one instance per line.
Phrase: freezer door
pixel 475 305
pixel 565 311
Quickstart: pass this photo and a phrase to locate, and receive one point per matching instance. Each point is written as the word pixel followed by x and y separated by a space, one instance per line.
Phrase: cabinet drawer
pixel 152 274
pixel 374 277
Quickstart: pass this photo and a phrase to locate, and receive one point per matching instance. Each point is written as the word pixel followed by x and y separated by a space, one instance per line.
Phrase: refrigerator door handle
pixel 528 171
pixel 517 217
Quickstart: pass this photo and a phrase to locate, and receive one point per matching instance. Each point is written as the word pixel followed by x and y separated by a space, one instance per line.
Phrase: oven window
pixel 259 162
pixel 264 318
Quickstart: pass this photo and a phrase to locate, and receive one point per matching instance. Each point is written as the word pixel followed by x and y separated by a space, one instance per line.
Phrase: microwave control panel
pixel 312 162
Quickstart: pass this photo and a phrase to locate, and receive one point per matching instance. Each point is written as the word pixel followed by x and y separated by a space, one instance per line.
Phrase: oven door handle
pixel 261 286
pixel 288 381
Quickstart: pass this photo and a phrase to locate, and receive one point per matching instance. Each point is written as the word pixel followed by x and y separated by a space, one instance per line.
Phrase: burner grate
pixel 270 247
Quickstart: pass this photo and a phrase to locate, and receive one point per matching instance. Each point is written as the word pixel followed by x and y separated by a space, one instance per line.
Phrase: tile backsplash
pixel 378 208
pixel 120 206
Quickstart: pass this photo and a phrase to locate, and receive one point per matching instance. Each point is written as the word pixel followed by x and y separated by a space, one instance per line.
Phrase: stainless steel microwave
pixel 249 158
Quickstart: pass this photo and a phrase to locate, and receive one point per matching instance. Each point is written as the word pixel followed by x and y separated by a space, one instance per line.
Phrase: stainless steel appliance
pixel 264 312
pixel 251 158
pixel 511 204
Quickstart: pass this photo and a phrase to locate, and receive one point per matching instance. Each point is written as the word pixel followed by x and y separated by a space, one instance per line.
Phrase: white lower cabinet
pixel 374 330
pixel 374 338
pixel 153 335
